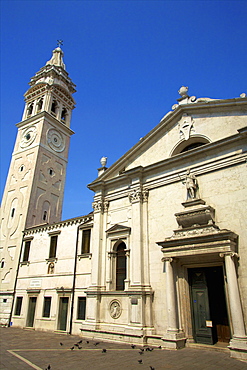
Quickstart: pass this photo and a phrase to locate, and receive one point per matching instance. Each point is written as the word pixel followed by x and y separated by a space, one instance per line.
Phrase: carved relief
pixel 115 309
pixel 185 126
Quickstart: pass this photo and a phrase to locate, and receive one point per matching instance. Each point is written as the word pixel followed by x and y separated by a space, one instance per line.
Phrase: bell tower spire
pixel 35 185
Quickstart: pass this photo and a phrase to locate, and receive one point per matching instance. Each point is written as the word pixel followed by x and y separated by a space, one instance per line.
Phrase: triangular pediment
pixel 188 126
pixel 118 228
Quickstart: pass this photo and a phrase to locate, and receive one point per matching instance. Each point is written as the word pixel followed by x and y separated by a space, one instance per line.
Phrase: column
pixel 171 297
pixel 234 296
pixel 173 338
pixel 146 271
pixel 135 198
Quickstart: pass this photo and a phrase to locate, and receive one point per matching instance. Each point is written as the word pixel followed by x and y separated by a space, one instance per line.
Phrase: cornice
pixel 180 161
pixel 61 224
pixel 52 70
pixel 45 114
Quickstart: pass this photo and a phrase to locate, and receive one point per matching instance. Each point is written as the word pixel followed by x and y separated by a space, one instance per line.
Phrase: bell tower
pixel 35 185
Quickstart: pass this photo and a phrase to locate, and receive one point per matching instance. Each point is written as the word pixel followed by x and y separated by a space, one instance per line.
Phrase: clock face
pixel 28 136
pixel 55 140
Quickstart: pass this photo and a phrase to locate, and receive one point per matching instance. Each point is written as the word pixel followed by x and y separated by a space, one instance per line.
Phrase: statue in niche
pixel 51 268
pixel 191 185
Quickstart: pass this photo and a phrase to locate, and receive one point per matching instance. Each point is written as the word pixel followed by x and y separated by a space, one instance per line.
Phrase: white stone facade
pixel 162 258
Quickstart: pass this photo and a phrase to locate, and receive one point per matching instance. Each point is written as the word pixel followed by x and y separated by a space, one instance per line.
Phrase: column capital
pixel 167 259
pixel 135 196
pixel 97 206
pixel 230 254
pixel 100 205
pixel 138 195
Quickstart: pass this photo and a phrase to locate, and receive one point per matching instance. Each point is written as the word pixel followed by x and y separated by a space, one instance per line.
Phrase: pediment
pixel 188 126
pixel 118 229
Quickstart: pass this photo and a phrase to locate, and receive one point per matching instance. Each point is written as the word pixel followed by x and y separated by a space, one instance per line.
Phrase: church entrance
pixel 208 302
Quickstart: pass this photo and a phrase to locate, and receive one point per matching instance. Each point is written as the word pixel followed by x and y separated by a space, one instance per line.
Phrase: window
pixel 44 215
pixel 39 105
pixel 12 212
pixel 54 107
pixel 64 114
pixel 53 246
pixel 191 146
pixel 81 308
pixel 18 305
pixel 47 307
pixel 26 251
pixel 30 109
pixel 121 266
pixel 2 264
pixel 85 245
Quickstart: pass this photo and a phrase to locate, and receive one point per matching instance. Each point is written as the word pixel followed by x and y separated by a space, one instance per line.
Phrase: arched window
pixel 185 145
pixel 64 114
pixel 120 266
pixel 191 146
pixel 39 105
pixel 54 107
pixel 30 109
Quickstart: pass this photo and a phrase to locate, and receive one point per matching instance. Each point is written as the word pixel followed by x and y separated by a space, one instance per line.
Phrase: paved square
pixel 23 349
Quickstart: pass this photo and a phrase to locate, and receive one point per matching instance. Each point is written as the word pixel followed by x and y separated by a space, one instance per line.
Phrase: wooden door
pixel 31 311
pixel 63 313
pixel 200 307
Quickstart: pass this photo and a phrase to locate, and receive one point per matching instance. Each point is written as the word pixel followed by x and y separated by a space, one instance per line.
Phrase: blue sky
pixel 128 60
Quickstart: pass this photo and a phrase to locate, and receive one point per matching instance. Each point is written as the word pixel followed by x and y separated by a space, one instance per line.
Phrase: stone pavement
pixel 23 349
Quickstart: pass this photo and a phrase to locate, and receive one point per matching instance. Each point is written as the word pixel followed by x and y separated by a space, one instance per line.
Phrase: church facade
pixel 161 260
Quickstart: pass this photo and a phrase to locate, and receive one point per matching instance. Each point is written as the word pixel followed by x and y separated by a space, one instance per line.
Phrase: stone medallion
pixel 115 309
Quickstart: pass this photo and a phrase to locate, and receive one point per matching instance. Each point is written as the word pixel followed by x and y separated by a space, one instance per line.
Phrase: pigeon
pixel 96 343
pixel 140 361
pixel 80 341
pixel 79 347
pixel 48 367
pixel 61 344
pixel 133 346
pixel 159 347
pixel 87 341
pixel 72 348
pixel 76 345
pixel 142 349
pixel 103 350
pixel 152 368
pixel 140 353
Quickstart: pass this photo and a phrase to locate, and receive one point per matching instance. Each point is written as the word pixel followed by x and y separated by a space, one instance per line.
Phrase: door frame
pixel 58 310
pixel 188 314
pixel 28 311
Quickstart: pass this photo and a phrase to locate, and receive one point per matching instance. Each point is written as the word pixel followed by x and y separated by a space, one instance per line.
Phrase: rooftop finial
pixel 57 57
pixel 59 43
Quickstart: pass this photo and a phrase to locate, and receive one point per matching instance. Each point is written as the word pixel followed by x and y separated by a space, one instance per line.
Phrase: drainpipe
pixel 73 287
pixel 14 291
